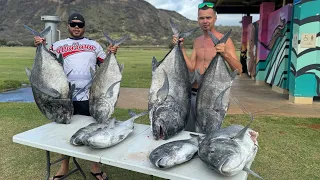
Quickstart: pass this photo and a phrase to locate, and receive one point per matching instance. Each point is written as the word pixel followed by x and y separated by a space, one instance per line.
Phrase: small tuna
pixel 110 136
pixel 87 131
pixel 174 153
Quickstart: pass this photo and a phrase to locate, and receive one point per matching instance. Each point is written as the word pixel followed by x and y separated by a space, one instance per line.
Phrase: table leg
pixel 70 172
pixel 48 165
pixel 79 168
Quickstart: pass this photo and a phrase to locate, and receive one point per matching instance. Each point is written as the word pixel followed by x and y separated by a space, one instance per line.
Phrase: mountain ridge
pixel 145 24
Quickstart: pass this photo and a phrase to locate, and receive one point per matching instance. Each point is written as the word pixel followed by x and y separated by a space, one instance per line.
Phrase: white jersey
pixel 79 56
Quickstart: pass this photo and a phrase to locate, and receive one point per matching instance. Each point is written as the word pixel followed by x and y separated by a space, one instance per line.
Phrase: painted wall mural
pixel 275 65
pixel 252 58
pixel 304 75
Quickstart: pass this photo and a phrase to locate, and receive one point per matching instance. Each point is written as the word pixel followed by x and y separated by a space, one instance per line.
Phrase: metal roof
pixel 245 6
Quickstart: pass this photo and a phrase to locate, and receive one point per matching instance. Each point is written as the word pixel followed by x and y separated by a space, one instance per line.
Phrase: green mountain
pixel 145 24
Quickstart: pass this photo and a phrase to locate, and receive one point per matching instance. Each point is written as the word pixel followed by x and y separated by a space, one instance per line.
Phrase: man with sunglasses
pixel 80 54
pixel 204 50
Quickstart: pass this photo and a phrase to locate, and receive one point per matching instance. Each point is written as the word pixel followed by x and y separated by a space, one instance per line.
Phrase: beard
pixel 77 33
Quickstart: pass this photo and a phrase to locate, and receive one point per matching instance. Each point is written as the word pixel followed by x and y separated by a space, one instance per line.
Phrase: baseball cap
pixel 76 16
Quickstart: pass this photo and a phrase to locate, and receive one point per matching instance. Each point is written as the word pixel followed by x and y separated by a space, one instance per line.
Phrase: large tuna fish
pixel 213 95
pixel 169 92
pixel 173 153
pixel 111 135
pixel 49 83
pixel 229 150
pixel 105 88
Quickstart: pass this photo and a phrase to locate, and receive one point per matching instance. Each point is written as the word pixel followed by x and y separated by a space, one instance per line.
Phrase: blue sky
pixel 188 8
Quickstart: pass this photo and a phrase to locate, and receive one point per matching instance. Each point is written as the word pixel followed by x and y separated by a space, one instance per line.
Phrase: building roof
pixel 245 6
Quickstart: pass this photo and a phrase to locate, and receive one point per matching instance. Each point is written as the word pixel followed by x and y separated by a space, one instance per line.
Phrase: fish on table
pixel 174 153
pixel 229 150
pixel 112 134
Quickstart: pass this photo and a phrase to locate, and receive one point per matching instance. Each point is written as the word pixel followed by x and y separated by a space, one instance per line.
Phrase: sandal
pixel 58 176
pixel 99 174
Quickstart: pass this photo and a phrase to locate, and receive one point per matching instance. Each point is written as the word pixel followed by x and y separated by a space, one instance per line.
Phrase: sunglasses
pixel 74 24
pixel 208 4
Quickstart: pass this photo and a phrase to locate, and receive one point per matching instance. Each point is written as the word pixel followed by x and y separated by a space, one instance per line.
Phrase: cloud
pixel 188 8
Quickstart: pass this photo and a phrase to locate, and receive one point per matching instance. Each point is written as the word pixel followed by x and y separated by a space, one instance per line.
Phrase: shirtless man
pixel 203 52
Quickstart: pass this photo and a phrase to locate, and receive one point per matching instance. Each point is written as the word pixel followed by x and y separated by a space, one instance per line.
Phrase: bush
pixel 9 84
pixel 14 43
pixel 3 42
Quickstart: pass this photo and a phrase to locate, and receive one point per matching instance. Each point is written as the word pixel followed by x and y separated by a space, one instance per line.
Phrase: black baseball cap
pixel 76 16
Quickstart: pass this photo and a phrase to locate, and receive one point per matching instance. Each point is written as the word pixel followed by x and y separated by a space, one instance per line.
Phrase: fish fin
pixel 121 40
pixel 48 91
pixel 28 72
pixel 155 64
pixel 110 41
pixel 86 87
pixel 196 138
pixel 110 89
pixel 214 39
pixel 60 60
pixel 41 34
pixel 45 32
pixel 194 135
pixel 121 67
pixel 69 73
pixel 174 27
pixel 192 76
pixel 131 113
pixel 189 32
pixel 191 156
pixel 252 172
pixel 115 42
pixel 112 122
pixel 225 37
pixel 32 31
pixel 72 88
pixel 93 73
pixel 164 90
pixel 234 74
pixel 218 102
pixel 139 115
pixel 198 76
pixel 195 156
pixel 178 33
pixel 241 134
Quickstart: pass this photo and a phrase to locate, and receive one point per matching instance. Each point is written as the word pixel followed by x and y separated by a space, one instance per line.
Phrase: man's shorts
pixel 192 113
pixel 81 108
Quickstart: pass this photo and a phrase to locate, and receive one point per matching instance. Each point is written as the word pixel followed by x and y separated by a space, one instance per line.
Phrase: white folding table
pixel 132 153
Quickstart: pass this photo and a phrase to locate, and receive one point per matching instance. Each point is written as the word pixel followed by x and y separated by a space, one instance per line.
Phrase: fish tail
pixel 225 37
pixel 252 172
pixel 115 42
pixel 41 34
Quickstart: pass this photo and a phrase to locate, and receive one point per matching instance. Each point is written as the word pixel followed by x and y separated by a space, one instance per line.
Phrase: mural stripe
pixel 306 51
pixel 307 20
pixel 275 59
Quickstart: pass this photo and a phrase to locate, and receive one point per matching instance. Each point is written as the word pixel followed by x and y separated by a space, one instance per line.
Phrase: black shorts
pixel 81 108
